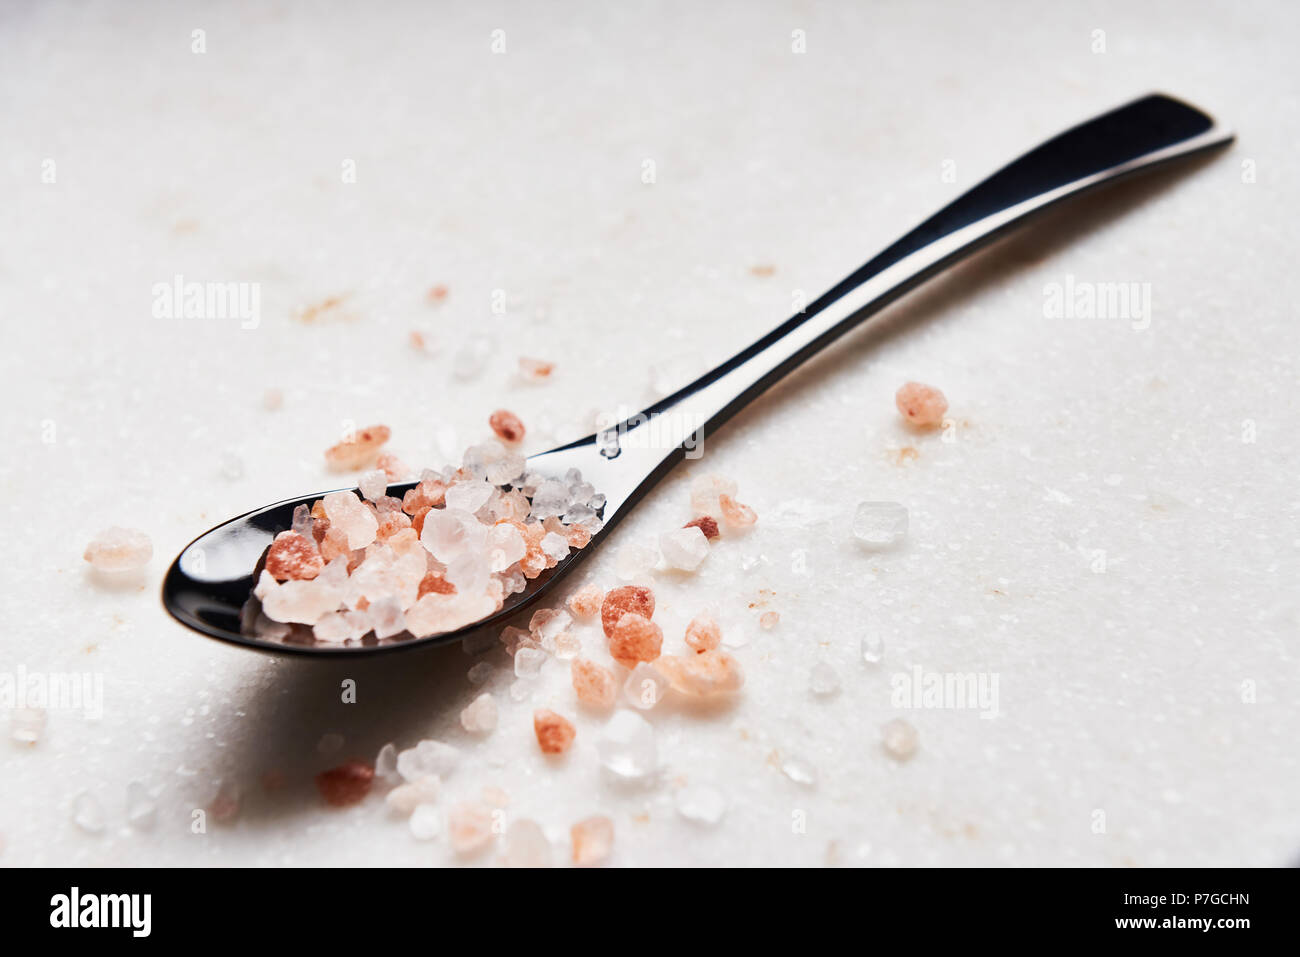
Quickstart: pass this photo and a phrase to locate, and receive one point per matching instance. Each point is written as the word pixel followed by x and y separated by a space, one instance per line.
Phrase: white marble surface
pixel 1120 691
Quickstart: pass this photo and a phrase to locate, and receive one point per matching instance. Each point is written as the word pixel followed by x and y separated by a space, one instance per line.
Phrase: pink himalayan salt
pixel 586 601
pixel 438 293
pixel 768 620
pixel 358 450
pixel 735 514
pixel 705 492
pixel 291 556
pixel 393 467
pixel 595 684
pixel 706 673
pixel 480 716
pixel 703 634
pixel 593 839
pixel 627 599
pixel 373 484
pixel 706 524
pixel 554 732
pixel 635 638
pixel 507 426
pixel 435 584
pixel 921 405
pixel 346 784
pixel 119 550
pixel 470 827
pixel 535 370
pixel 352 517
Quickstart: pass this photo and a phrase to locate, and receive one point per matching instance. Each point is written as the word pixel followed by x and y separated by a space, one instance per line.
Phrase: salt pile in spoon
pixel 443 556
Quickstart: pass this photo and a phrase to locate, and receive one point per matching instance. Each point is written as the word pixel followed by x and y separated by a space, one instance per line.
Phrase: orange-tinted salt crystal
pixel 334 544
pixel 734 513
pixel 625 600
pixel 921 405
pixel 703 634
pixel 435 584
pixel 358 450
pixel 554 732
pixel 417 522
pixel 706 524
pixel 709 672
pixel 768 620
pixel 437 293
pixel 595 684
pixel 535 370
pixel 635 638
pixel 393 467
pixel 593 839
pixel 506 425
pixel 576 536
pixel 293 557
pixel 585 602
pixel 390 523
pixel 347 784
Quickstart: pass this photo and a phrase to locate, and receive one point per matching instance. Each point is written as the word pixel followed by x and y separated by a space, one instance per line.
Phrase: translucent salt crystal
pixel 478 643
pixel 873 649
pixel 823 681
pixel 480 673
pixel 921 405
pixel 879 524
pixel 684 548
pixel 469 496
pixel 550 498
pixel 505 469
pixel 87 813
pixel 470 827
pixel 522 689
pixel 593 839
pixel 426 758
pixel 555 546
pixel 470 358
pixel 26 725
pixel 386 763
pixel 634 561
pixel 480 716
pixel 141 809
pixel 566 645
pixel 425 822
pixel 706 491
pixel 347 513
pixel 303 522
pixel 232 466
pixel 514 583
pixel 799 770
pixel 119 550
pixel 386 617
pixel 405 798
pixel 701 804
pixel 528 662
pixel 645 686
pixel 330 743
pixel 900 739
pixel 769 620
pixel 526 845
pixel 626 747
pixel 547 624
pixel 373 484
pixel 535 370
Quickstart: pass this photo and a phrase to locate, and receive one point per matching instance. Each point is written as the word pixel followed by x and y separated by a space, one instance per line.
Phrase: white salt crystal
pixel 701 804
pixel 547 624
pixel 405 798
pixel 119 550
pixel 900 739
pixel 684 548
pixel 426 758
pixel 87 813
pixel 386 762
pixel 873 649
pixel 823 681
pixel 480 673
pixel 555 546
pixel 480 716
pixel 425 822
pixel 799 770
pixel 645 686
pixel 374 484
pixel 551 498
pixel 469 496
pixel 626 747
pixel 26 725
pixel 386 618
pixel 303 522
pixel 528 662
pixel 346 513
pixel 880 524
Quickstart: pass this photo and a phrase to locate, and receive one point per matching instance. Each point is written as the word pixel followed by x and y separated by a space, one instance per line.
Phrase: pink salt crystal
pixel 705 491
pixel 119 550
pixel 470 827
pixel 595 685
pixel 706 673
pixel 393 467
pixel 437 293
pixel 635 638
pixel 435 584
pixel 350 515
pixel 585 602
pixel 480 716
pixel 554 732
pixel 346 784
pixel 358 450
pixel 625 600
pixel 373 484
pixel 706 524
pixel 335 543
pixel 921 405
pixel 593 839
pixel 507 426
pixel 535 370
pixel 703 634
pixel 293 557
pixel 768 620
pixel 735 514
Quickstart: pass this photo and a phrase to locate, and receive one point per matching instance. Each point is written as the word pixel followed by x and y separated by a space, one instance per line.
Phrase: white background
pixel 1120 691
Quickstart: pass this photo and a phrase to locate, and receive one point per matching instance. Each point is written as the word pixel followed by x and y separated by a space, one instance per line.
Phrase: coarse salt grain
pixel 768 620
pixel 480 716
pixel 921 405
pixel 621 601
pixel 593 839
pixel 703 634
pixel 535 370
pixel 554 732
pixel 704 673
pixel 899 739
pixel 470 827
pixel 507 426
pixel 359 449
pixel 684 548
pixel 594 684
pixel 346 784
pixel 706 524
pixel 586 601
pixel 635 638
pixel 119 550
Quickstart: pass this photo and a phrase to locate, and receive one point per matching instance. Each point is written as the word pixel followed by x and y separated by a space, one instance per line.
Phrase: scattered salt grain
pixel 535 370
pixel 405 798
pixel 386 763
pixel 526 845
pixel 554 732
pixel 701 804
pixel 703 634
pixel 593 839
pixel 26 725
pixel 799 770
pixel 645 686
pixel 684 548
pixel 706 493
pixel 872 648
pixel 921 405
pixel 528 662
pixel 635 638
pixel 823 680
pixel 347 784
pixel 768 620
pixel 734 514
pixel 427 757
pixel 87 813
pixel 357 450
pixel 880 524
pixel 585 602
pixel 119 550
pixel 628 599
pixel 480 673
pixel 704 673
pixel 480 717
pixel 626 747
pixel 508 426
pixel 706 524
pixel 425 822
pixel 594 684
pixel 900 739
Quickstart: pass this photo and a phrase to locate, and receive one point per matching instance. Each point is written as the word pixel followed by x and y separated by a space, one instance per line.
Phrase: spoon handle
pixel 1140 135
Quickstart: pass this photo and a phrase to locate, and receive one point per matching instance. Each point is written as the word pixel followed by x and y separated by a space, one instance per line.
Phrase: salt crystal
pixel 427 757
pixel 799 770
pixel 425 822
pixel 547 624
pixel 386 763
pixel 358 449
pixel 535 370
pixel 470 827
pixel 873 649
pixel 823 680
pixel 554 731
pixel 921 405
pixel 528 662
pixel 684 548
pixel 347 513
pixel 26 725
pixel 507 426
pixel 703 634
pixel 345 785
pixel 626 747
pixel 635 638
pixel 701 804
pixel 634 560
pixel 550 499
pixel 900 739
pixel 480 673
pixel 593 839
pixel 526 845
pixel 768 620
pixel 704 673
pixel 141 809
pixel 706 491
pixel 469 496
pixel 87 813
pixel 119 550
pixel 880 524
pixel 645 686
pixel 624 600
pixel 734 514
pixel 302 522
pixel 480 717
pixel 585 602
pixel 405 798
pixel 594 684
pixel 706 524
pixel 373 484
pixel 555 546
